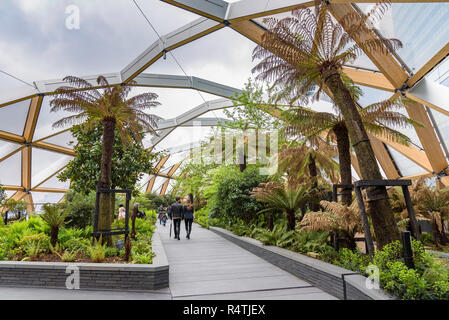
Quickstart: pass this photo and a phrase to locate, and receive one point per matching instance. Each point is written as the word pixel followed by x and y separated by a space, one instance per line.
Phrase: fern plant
pixel 97 251
pixel 342 219
pixel 54 217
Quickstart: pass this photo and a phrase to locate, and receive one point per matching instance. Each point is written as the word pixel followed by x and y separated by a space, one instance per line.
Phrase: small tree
pixel 54 217
pixel 284 198
pixel 309 49
pixel 110 107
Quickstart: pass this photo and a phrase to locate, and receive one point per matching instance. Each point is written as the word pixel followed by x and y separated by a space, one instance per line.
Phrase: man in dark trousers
pixel 177 214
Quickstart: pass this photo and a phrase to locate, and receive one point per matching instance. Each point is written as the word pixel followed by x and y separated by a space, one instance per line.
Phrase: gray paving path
pixel 210 267
pixel 205 267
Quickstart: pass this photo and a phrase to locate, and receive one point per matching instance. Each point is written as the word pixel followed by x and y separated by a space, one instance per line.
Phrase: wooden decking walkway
pixel 210 267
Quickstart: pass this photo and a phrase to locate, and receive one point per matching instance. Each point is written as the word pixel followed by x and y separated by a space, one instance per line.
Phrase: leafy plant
pixel 312 241
pixel 54 217
pixel 143 258
pixel 69 256
pixel 32 245
pixel 284 198
pixel 97 251
pixel 342 219
pixel 107 110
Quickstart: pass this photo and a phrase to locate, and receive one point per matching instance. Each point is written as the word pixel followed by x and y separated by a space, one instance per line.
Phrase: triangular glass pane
pixel 44 126
pixel 14 117
pixel 442 123
pixel 405 165
pixel 54 182
pixel 7 147
pixel 65 139
pixel 9 193
pixel 226 65
pixel 143 181
pixel 421 27
pixel 371 95
pixel 41 198
pixel 45 163
pixel 10 170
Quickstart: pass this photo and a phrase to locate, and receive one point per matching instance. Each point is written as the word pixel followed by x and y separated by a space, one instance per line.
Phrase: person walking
pixel 177 215
pixel 188 217
pixel 121 212
pixel 161 213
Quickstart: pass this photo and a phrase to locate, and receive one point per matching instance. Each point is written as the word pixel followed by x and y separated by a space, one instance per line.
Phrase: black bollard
pixel 407 249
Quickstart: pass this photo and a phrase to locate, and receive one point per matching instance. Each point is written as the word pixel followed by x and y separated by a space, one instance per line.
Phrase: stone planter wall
pixel 93 276
pixel 339 282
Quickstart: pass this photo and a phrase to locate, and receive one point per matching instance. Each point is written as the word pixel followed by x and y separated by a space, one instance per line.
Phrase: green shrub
pixel 144 258
pixel 111 252
pixel 77 244
pixel 354 261
pixel 429 279
pixel 427 238
pixel 312 241
pixel 97 251
pixel 80 215
pixel 69 256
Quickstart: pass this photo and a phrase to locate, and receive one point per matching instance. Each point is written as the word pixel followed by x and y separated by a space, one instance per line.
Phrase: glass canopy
pixel 209 58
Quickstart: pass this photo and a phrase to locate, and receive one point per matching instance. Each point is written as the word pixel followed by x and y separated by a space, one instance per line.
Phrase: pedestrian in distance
pixel 121 212
pixel 161 213
pixel 177 215
pixel 188 217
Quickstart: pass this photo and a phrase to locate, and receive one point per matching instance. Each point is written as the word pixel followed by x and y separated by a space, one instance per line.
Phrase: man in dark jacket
pixel 177 214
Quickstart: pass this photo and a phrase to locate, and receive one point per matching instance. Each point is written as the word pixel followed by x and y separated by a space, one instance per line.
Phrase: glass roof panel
pixel 442 122
pixel 10 170
pixel 421 27
pixel 9 193
pixel 45 163
pixel 44 43
pixel 44 126
pixel 7 147
pixel 440 73
pixel 227 65
pixel 40 198
pixel 54 182
pixel 159 181
pixel 16 114
pixel 372 95
pixel 406 166
pixel 143 182
pixel 64 139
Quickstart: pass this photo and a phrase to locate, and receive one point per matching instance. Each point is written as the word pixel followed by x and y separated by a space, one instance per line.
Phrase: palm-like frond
pixel 299 52
pixel 92 105
pixel 283 198
pixel 53 216
pixel 334 217
pixel 294 160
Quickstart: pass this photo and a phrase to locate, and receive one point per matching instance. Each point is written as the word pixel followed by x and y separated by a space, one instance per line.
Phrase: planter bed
pixel 339 282
pixel 93 276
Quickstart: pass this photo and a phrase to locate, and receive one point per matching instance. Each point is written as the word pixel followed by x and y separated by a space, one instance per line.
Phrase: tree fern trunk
pixel 104 221
pixel 344 159
pixel 54 236
pixel 379 208
pixel 291 220
pixel 313 172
